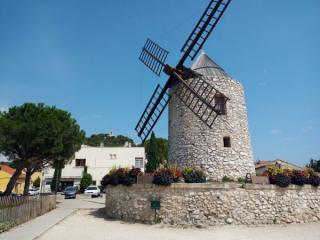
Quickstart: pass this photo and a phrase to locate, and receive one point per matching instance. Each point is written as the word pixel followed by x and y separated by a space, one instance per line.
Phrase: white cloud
pixel 275 131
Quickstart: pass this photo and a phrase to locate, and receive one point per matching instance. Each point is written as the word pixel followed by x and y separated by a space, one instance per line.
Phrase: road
pixel 85 220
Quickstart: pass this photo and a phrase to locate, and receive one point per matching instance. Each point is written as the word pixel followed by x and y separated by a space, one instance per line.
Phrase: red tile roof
pixel 9 170
pixel 262 163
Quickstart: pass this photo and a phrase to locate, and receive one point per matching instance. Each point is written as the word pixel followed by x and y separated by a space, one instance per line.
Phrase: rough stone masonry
pixel 193 143
pixel 211 204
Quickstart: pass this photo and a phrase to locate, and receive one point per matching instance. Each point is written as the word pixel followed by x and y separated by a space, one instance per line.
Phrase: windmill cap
pixel 207 67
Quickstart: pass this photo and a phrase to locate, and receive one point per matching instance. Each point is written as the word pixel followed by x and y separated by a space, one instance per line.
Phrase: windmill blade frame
pixel 154 109
pixel 199 96
pixel 203 29
pixel 153 56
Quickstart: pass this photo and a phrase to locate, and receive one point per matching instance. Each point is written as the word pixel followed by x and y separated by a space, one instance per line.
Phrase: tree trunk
pixel 56 179
pixel 13 180
pixel 27 182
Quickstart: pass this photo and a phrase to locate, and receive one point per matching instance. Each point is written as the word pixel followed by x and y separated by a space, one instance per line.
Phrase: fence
pixel 18 209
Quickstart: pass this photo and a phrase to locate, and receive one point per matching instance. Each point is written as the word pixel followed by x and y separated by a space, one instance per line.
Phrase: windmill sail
pixel 153 56
pixel 156 105
pixel 204 27
pixel 201 98
pixel 197 94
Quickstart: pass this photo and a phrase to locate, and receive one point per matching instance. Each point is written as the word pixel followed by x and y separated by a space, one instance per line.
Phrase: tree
pixel 33 136
pixel 152 155
pixel 86 180
pixel 162 145
pixel 314 164
pixel 108 140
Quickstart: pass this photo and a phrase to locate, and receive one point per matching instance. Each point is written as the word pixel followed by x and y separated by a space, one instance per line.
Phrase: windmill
pixel 201 97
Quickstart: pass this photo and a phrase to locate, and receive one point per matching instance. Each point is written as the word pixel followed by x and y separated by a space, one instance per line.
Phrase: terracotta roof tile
pixel 9 170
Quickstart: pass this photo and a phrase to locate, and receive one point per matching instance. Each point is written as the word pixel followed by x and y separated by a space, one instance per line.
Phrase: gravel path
pixel 90 224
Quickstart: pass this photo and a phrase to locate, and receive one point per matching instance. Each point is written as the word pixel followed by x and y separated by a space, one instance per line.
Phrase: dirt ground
pixel 90 224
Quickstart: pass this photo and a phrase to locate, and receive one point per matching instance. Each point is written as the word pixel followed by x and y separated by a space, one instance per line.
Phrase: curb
pixel 62 219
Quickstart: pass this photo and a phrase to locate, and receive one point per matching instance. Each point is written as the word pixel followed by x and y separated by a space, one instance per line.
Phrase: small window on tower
pixel 220 104
pixel 226 142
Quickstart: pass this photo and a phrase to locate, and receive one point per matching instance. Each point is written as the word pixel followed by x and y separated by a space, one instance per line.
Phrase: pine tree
pixel 152 155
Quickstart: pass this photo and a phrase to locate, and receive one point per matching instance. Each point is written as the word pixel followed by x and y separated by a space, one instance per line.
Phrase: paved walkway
pixel 34 228
pixel 91 225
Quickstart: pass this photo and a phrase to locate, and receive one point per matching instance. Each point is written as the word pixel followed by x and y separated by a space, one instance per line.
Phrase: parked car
pixel 33 191
pixel 70 192
pixel 94 191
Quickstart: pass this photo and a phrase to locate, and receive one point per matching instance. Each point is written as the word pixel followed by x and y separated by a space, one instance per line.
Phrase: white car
pixel 33 191
pixel 93 191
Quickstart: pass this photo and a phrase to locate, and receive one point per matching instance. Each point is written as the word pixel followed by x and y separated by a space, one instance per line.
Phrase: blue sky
pixel 82 56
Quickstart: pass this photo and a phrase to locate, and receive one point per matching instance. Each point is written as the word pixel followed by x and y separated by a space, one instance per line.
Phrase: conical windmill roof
pixel 207 67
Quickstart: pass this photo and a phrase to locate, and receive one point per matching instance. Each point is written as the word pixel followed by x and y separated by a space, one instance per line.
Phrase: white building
pixel 99 161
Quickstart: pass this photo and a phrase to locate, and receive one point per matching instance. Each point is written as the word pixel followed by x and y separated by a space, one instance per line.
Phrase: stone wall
pixel 211 204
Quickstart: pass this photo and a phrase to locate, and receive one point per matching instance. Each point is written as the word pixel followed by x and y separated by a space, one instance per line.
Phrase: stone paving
pixel 34 228
pixel 91 224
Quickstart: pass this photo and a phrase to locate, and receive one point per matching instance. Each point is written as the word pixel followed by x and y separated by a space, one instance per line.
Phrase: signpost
pixel 155 204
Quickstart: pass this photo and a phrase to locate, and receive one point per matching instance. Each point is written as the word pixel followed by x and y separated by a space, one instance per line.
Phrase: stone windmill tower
pixel 223 150
pixel 208 125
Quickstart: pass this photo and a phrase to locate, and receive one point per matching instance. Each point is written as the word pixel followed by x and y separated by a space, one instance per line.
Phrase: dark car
pixel 70 192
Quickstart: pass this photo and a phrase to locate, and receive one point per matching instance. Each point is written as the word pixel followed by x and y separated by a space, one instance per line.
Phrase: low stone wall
pixel 211 204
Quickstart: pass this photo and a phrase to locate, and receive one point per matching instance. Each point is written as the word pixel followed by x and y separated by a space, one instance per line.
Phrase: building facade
pixel 6 173
pixel 223 150
pixel 99 161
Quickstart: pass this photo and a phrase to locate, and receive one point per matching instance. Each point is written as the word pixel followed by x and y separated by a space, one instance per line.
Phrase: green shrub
pixel 85 182
pixel 193 175
pixel 227 179
pixel 187 170
pixel 36 182
pixel 274 170
pixel 241 180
